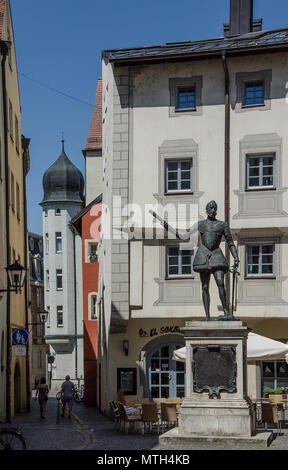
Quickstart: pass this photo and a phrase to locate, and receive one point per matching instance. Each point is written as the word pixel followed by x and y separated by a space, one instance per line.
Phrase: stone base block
pixel 174 437
pixel 217 418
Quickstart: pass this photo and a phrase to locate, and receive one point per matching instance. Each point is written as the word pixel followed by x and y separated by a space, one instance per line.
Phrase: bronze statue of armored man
pixel 209 258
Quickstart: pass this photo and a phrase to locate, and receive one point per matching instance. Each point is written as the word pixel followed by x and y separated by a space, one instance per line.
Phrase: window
pixel 261 171
pixel 18 201
pixel 178 175
pixel 186 98
pixel 10 120
pixel 57 211
pixel 93 306
pixel 47 280
pixel 260 260
pixel 16 133
pixel 60 315
pixel 178 262
pixel 47 243
pixel 48 316
pixel 274 373
pixel 58 239
pixel 253 91
pixel 93 255
pixel 59 283
pixel 12 191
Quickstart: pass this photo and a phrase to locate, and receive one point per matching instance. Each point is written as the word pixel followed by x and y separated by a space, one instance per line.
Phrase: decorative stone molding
pixel 241 79
pixel 264 202
pixel 196 83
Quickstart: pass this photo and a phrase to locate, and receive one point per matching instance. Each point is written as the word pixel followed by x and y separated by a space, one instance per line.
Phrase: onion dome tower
pixel 63 186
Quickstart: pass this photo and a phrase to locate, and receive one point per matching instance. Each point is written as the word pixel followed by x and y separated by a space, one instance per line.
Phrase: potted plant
pixel 275 394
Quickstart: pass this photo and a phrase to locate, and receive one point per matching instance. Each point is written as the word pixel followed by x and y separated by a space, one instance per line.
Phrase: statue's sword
pixel 165 224
pixel 235 272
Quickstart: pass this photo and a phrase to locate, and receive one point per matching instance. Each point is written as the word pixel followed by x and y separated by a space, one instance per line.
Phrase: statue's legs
pixel 205 280
pixel 219 278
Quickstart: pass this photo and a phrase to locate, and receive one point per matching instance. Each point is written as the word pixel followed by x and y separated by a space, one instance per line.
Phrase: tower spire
pixel 62 140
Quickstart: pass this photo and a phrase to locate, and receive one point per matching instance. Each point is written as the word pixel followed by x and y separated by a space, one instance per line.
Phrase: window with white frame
pixel 93 306
pixel 178 176
pixel 260 260
pixel 91 251
pixel 48 317
pixel 47 243
pixel 260 171
pixel 179 263
pixel 58 242
pixel 59 279
pixel 60 321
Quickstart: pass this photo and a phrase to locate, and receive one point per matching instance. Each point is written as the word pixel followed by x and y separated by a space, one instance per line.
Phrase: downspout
pixel 4 52
pixel 227 166
pixel 25 144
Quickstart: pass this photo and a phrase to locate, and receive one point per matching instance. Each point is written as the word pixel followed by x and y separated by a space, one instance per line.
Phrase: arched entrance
pixel 17 389
pixel 162 376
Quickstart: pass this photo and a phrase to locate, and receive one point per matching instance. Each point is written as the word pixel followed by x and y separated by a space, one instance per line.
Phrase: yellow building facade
pixel 16 158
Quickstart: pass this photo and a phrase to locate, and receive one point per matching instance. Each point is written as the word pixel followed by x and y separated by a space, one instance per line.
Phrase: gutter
pixel 227 164
pixel 4 52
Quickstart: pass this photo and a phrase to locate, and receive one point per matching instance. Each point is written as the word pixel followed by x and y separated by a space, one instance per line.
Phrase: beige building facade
pixel 181 124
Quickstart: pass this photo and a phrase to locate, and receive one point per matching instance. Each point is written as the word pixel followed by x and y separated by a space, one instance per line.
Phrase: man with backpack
pixel 67 392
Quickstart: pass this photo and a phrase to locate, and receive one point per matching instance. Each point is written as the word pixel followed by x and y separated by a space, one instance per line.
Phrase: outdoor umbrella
pixel 259 348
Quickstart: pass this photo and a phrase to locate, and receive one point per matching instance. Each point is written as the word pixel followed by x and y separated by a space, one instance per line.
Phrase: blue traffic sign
pixel 20 336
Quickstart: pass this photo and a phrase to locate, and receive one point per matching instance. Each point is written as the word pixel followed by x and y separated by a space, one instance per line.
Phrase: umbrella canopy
pixel 259 348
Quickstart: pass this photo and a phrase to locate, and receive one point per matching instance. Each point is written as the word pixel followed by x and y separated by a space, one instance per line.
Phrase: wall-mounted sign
pixel 20 336
pixel 126 380
pixel 164 330
pixel 20 351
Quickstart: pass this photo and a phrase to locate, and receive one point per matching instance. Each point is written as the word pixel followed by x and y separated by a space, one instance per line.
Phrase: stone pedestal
pixel 216 404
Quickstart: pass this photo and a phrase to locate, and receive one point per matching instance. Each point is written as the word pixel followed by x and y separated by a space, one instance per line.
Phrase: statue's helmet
pixel 211 204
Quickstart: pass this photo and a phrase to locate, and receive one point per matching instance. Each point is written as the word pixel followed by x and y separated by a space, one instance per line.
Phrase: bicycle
pixel 11 439
pixel 79 394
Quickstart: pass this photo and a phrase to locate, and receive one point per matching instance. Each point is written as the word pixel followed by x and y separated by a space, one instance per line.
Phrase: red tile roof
pixel 2 9
pixel 94 140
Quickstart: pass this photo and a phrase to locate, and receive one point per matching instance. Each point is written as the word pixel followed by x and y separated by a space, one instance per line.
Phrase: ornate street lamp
pixel 16 275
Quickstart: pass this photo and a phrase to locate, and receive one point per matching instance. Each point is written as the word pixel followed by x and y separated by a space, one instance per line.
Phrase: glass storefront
pixel 166 376
pixel 274 374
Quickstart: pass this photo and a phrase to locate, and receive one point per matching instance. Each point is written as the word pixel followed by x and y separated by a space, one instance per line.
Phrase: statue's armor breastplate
pixel 211 233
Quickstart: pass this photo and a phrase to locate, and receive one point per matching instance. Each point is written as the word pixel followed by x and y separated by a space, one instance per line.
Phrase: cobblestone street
pixel 89 430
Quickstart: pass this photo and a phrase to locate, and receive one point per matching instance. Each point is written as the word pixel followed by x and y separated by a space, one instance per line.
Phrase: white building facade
pixel 63 198
pixel 187 123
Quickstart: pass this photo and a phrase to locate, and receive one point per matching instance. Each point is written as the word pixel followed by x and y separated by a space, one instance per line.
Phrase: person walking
pixel 67 392
pixel 42 391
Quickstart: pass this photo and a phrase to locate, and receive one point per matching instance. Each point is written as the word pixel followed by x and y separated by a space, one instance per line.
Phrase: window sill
pixel 59 289
pixel 261 188
pixel 251 106
pixel 177 193
pixel 173 278
pixel 183 110
pixel 269 277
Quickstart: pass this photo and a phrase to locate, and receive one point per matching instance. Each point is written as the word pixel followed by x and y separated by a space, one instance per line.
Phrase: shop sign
pixel 163 330
pixel 20 351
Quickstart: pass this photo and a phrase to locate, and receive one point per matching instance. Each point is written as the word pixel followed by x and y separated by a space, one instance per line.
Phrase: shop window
pixel 274 374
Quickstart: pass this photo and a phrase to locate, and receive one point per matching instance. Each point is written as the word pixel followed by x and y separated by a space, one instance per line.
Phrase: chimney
pixel 241 19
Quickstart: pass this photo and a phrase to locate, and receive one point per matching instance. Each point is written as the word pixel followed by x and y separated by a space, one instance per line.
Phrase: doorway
pixel 17 389
pixel 166 377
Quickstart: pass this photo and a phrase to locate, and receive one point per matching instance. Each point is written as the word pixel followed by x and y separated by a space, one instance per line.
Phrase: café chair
pixel 159 400
pixel 143 400
pixel 169 413
pixel 129 416
pixel 270 415
pixel 150 415
pixel 115 412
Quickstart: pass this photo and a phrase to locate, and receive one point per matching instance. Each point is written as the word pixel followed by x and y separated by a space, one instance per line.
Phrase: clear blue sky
pixel 59 43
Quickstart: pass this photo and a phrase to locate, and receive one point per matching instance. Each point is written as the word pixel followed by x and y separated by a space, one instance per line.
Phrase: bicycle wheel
pixel 11 440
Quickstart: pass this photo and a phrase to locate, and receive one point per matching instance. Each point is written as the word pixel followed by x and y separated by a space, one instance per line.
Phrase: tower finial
pixel 62 140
